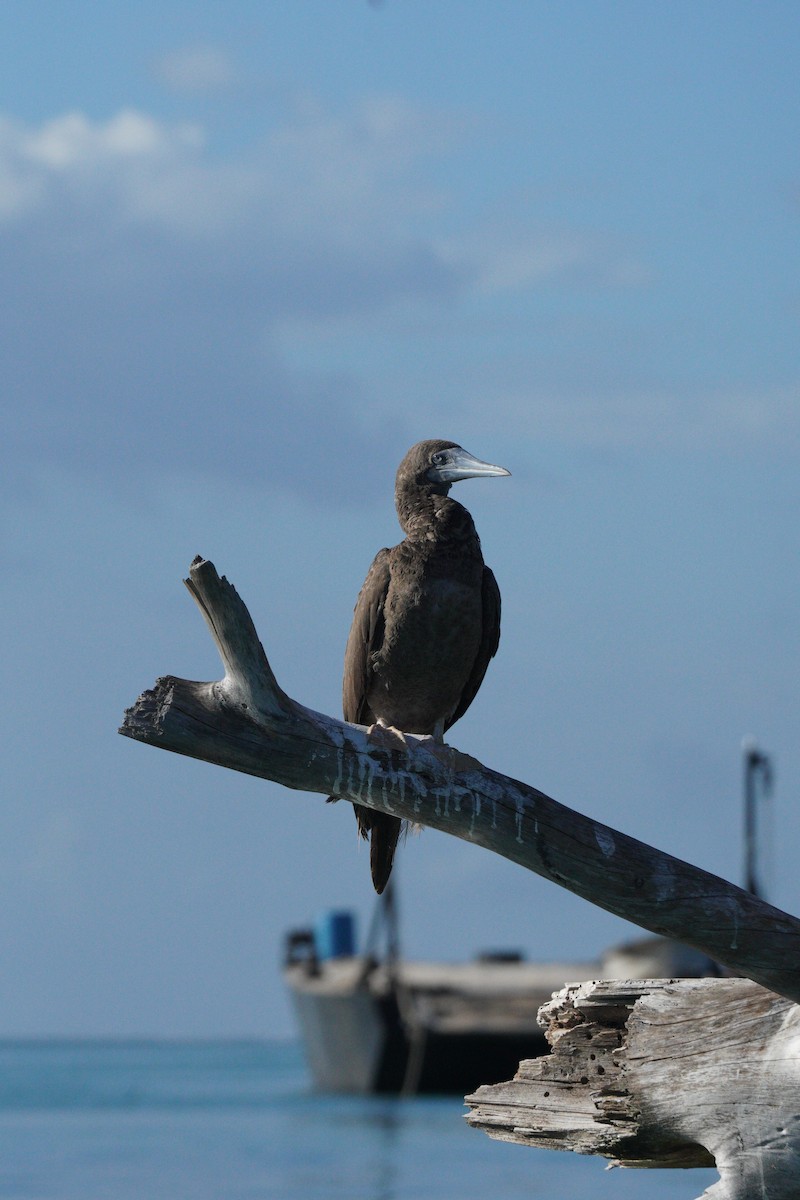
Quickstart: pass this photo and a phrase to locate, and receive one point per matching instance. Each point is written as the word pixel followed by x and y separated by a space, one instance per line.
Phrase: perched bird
pixel 426 622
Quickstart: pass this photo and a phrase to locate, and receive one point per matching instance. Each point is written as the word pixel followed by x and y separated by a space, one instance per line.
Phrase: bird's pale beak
pixel 462 465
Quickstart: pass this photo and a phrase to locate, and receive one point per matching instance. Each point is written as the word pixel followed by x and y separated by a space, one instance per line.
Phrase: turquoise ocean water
pixel 86 1120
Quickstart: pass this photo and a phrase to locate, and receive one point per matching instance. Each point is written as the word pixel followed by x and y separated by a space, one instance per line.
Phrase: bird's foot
pixel 388 737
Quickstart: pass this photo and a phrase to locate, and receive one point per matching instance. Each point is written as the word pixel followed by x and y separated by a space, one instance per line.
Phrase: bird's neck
pixel 427 518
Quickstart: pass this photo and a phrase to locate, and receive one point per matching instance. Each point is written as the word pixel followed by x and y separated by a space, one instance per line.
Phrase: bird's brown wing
pixel 490 640
pixel 366 637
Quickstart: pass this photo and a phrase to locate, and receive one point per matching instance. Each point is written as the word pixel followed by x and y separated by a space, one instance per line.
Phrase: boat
pixel 388 1025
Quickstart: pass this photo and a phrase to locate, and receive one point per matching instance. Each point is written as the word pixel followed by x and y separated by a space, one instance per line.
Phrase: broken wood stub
pixel 663 1073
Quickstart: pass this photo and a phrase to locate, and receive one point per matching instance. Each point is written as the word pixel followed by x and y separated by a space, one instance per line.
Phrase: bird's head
pixel 434 465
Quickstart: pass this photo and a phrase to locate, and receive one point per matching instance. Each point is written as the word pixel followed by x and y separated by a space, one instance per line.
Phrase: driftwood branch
pixel 664 1073
pixel 246 722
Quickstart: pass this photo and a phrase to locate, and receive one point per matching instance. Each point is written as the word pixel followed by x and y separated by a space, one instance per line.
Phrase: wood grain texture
pixel 664 1073
pixel 245 722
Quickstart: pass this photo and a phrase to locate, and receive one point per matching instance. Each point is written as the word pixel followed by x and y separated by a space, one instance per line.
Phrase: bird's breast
pixel 432 633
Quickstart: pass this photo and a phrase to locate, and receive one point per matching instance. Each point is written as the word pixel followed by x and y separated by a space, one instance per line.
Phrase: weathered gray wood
pixel 654 1073
pixel 245 722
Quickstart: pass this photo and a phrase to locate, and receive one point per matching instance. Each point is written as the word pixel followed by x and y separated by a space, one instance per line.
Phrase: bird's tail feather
pixel 382 846
pixel 383 832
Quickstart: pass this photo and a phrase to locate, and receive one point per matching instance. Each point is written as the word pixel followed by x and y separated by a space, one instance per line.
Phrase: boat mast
pixel 757 769
pixel 384 915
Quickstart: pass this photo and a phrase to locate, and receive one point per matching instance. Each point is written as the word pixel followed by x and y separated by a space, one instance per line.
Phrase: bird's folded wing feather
pixel 490 640
pixel 366 637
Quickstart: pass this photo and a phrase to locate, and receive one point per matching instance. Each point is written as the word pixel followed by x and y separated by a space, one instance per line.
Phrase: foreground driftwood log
pixel 246 722
pixel 655 1073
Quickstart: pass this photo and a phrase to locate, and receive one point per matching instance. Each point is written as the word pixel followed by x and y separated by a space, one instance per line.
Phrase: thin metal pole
pixel 756 765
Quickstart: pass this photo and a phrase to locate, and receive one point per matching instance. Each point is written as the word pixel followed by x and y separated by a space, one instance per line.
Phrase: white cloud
pixel 515 255
pixel 346 179
pixel 147 285
pixel 196 69
pixel 99 162
pixel 317 184
pixel 72 140
pixel 144 280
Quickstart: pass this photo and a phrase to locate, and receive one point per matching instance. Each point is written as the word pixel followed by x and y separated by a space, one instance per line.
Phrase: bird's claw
pixel 386 736
pixel 389 737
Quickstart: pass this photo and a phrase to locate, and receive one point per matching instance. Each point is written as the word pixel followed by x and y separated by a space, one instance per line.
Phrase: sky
pixel 250 254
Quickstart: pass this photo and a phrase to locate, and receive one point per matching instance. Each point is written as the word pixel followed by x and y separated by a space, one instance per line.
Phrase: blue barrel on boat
pixel 336 934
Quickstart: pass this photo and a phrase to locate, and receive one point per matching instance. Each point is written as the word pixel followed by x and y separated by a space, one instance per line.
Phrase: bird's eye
pixel 437 459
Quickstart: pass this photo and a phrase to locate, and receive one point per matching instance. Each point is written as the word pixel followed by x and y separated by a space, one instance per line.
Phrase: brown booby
pixel 426 622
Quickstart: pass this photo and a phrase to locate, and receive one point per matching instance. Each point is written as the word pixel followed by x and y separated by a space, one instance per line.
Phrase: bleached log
pixel 246 722
pixel 655 1073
